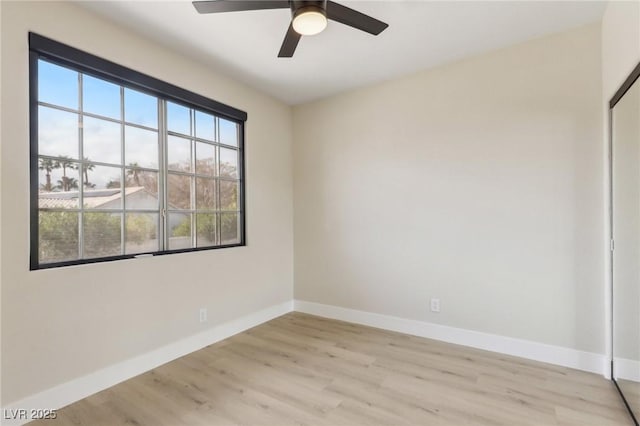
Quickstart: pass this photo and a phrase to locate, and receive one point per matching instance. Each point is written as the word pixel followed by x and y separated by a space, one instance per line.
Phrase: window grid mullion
pixel 99 117
pixel 99 163
pixel 197 139
pixel 81 159
pixel 123 175
pixel 163 229
pixel 194 195
pixel 217 184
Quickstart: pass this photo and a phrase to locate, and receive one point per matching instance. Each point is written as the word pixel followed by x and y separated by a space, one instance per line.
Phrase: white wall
pixel 479 182
pixel 63 323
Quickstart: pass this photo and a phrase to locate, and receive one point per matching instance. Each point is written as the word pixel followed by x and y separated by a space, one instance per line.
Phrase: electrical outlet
pixel 435 305
pixel 203 314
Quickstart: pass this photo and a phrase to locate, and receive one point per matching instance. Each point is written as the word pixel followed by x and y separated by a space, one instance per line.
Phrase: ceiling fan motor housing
pixel 298 7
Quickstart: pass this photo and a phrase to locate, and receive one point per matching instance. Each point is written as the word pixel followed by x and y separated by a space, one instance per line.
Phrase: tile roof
pixel 92 198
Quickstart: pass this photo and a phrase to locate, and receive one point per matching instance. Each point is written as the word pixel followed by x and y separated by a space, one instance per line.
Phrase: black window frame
pixel 41 47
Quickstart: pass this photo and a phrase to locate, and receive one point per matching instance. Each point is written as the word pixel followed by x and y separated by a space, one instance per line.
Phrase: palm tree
pixel 48 165
pixel 67 183
pixel 66 163
pixel 86 168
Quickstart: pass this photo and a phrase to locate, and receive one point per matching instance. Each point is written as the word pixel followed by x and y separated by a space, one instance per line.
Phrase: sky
pixel 59 133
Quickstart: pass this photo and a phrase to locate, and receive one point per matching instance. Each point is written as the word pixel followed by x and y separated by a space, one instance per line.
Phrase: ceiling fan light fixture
pixel 308 17
pixel 309 20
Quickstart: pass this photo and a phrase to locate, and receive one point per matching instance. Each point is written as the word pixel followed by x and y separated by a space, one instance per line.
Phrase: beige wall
pixel 620 44
pixel 479 183
pixel 63 323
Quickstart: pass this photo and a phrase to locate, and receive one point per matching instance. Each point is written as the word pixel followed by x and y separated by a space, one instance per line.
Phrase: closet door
pixel 625 162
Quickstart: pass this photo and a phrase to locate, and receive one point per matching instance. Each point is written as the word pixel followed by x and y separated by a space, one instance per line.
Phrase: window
pixel 124 165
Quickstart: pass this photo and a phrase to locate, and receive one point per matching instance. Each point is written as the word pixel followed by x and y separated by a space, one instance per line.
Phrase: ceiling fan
pixel 307 17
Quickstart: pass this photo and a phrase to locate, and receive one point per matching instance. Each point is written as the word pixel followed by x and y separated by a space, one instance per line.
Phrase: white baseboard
pixel 74 390
pixel 627 369
pixel 558 355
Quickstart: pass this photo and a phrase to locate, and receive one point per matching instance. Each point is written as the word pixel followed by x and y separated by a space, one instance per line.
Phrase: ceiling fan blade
pixel 290 43
pixel 354 19
pixel 219 6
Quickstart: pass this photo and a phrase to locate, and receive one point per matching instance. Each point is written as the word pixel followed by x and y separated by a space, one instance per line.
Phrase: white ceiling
pixel 421 34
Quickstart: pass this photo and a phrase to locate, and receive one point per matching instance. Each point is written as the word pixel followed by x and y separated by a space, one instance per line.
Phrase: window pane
pixel 141 190
pixel 205 126
pixel 228 132
pixel 97 177
pixel 57 85
pixel 179 231
pixel 179 191
pixel 140 147
pixel 140 108
pixel 178 119
pixel 101 141
pixel 102 232
pixel 205 159
pixel 112 155
pixel 228 195
pixel 58 236
pixel 57 133
pixel 141 233
pixel 228 163
pixel 100 97
pixel 179 154
pixel 205 194
pixel 101 187
pixel 206 229
pixel 58 187
pixel 229 228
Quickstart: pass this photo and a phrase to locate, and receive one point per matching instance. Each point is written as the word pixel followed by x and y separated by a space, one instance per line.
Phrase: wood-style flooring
pixel 306 370
pixel 631 391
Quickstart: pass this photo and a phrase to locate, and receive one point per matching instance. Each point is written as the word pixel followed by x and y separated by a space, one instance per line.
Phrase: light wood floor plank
pixel 300 369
